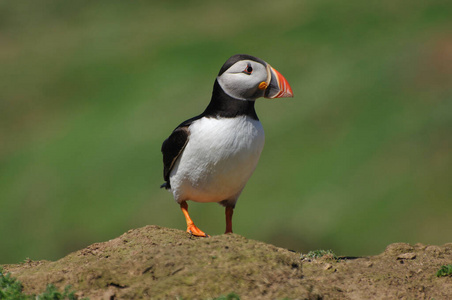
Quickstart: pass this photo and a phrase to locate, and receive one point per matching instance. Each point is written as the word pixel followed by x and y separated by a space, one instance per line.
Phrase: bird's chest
pixel 221 155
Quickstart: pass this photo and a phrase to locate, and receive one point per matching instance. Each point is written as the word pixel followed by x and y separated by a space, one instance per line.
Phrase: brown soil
pixel 161 263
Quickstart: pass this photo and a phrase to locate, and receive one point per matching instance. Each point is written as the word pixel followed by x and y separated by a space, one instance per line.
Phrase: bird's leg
pixel 229 211
pixel 191 228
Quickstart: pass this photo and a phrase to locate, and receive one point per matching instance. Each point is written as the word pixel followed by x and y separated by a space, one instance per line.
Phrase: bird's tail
pixel 165 185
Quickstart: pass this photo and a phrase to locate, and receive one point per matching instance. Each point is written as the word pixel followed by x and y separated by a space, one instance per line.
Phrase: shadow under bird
pixel 210 157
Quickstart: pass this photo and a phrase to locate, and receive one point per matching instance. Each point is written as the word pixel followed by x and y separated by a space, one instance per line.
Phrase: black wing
pixel 173 146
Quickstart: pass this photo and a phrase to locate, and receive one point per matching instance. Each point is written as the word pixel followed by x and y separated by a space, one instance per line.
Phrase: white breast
pixel 218 160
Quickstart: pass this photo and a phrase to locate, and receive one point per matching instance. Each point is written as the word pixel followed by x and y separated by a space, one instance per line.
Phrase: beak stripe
pixel 284 88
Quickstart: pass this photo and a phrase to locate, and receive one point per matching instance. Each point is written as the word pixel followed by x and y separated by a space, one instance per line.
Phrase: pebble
pixel 408 255
pixel 109 295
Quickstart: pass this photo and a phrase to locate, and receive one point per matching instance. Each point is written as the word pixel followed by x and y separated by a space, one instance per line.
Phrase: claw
pixel 192 229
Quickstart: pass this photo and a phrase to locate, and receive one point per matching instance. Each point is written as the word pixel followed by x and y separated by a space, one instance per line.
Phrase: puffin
pixel 210 157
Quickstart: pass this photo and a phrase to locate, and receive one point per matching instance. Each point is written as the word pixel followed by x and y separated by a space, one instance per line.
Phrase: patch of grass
pixel 52 293
pixel 230 296
pixel 319 253
pixel 445 270
pixel 12 289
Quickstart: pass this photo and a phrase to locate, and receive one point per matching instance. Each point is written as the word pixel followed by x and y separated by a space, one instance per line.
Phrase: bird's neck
pixel 223 105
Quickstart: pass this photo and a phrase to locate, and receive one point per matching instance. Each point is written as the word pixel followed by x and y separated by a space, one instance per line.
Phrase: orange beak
pixel 278 86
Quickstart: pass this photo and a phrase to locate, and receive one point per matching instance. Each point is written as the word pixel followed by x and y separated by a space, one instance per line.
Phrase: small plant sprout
pixel 329 254
pixel 445 270
pixel 12 289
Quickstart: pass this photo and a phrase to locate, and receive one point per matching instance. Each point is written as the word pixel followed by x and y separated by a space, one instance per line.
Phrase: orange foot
pixel 196 231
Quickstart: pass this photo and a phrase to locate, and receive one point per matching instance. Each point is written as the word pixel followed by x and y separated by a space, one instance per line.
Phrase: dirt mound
pixel 154 262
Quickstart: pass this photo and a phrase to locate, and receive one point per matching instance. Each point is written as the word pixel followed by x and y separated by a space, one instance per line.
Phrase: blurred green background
pixel 358 159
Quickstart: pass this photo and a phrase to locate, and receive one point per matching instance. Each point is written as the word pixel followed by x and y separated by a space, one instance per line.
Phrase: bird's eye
pixel 248 70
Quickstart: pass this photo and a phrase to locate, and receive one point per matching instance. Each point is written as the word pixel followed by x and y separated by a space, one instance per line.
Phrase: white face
pixel 242 79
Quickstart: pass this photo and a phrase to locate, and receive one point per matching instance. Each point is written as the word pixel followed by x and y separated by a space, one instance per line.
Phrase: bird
pixel 210 157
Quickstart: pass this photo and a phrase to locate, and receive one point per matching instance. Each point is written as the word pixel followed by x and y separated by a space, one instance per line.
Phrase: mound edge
pixel 156 262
